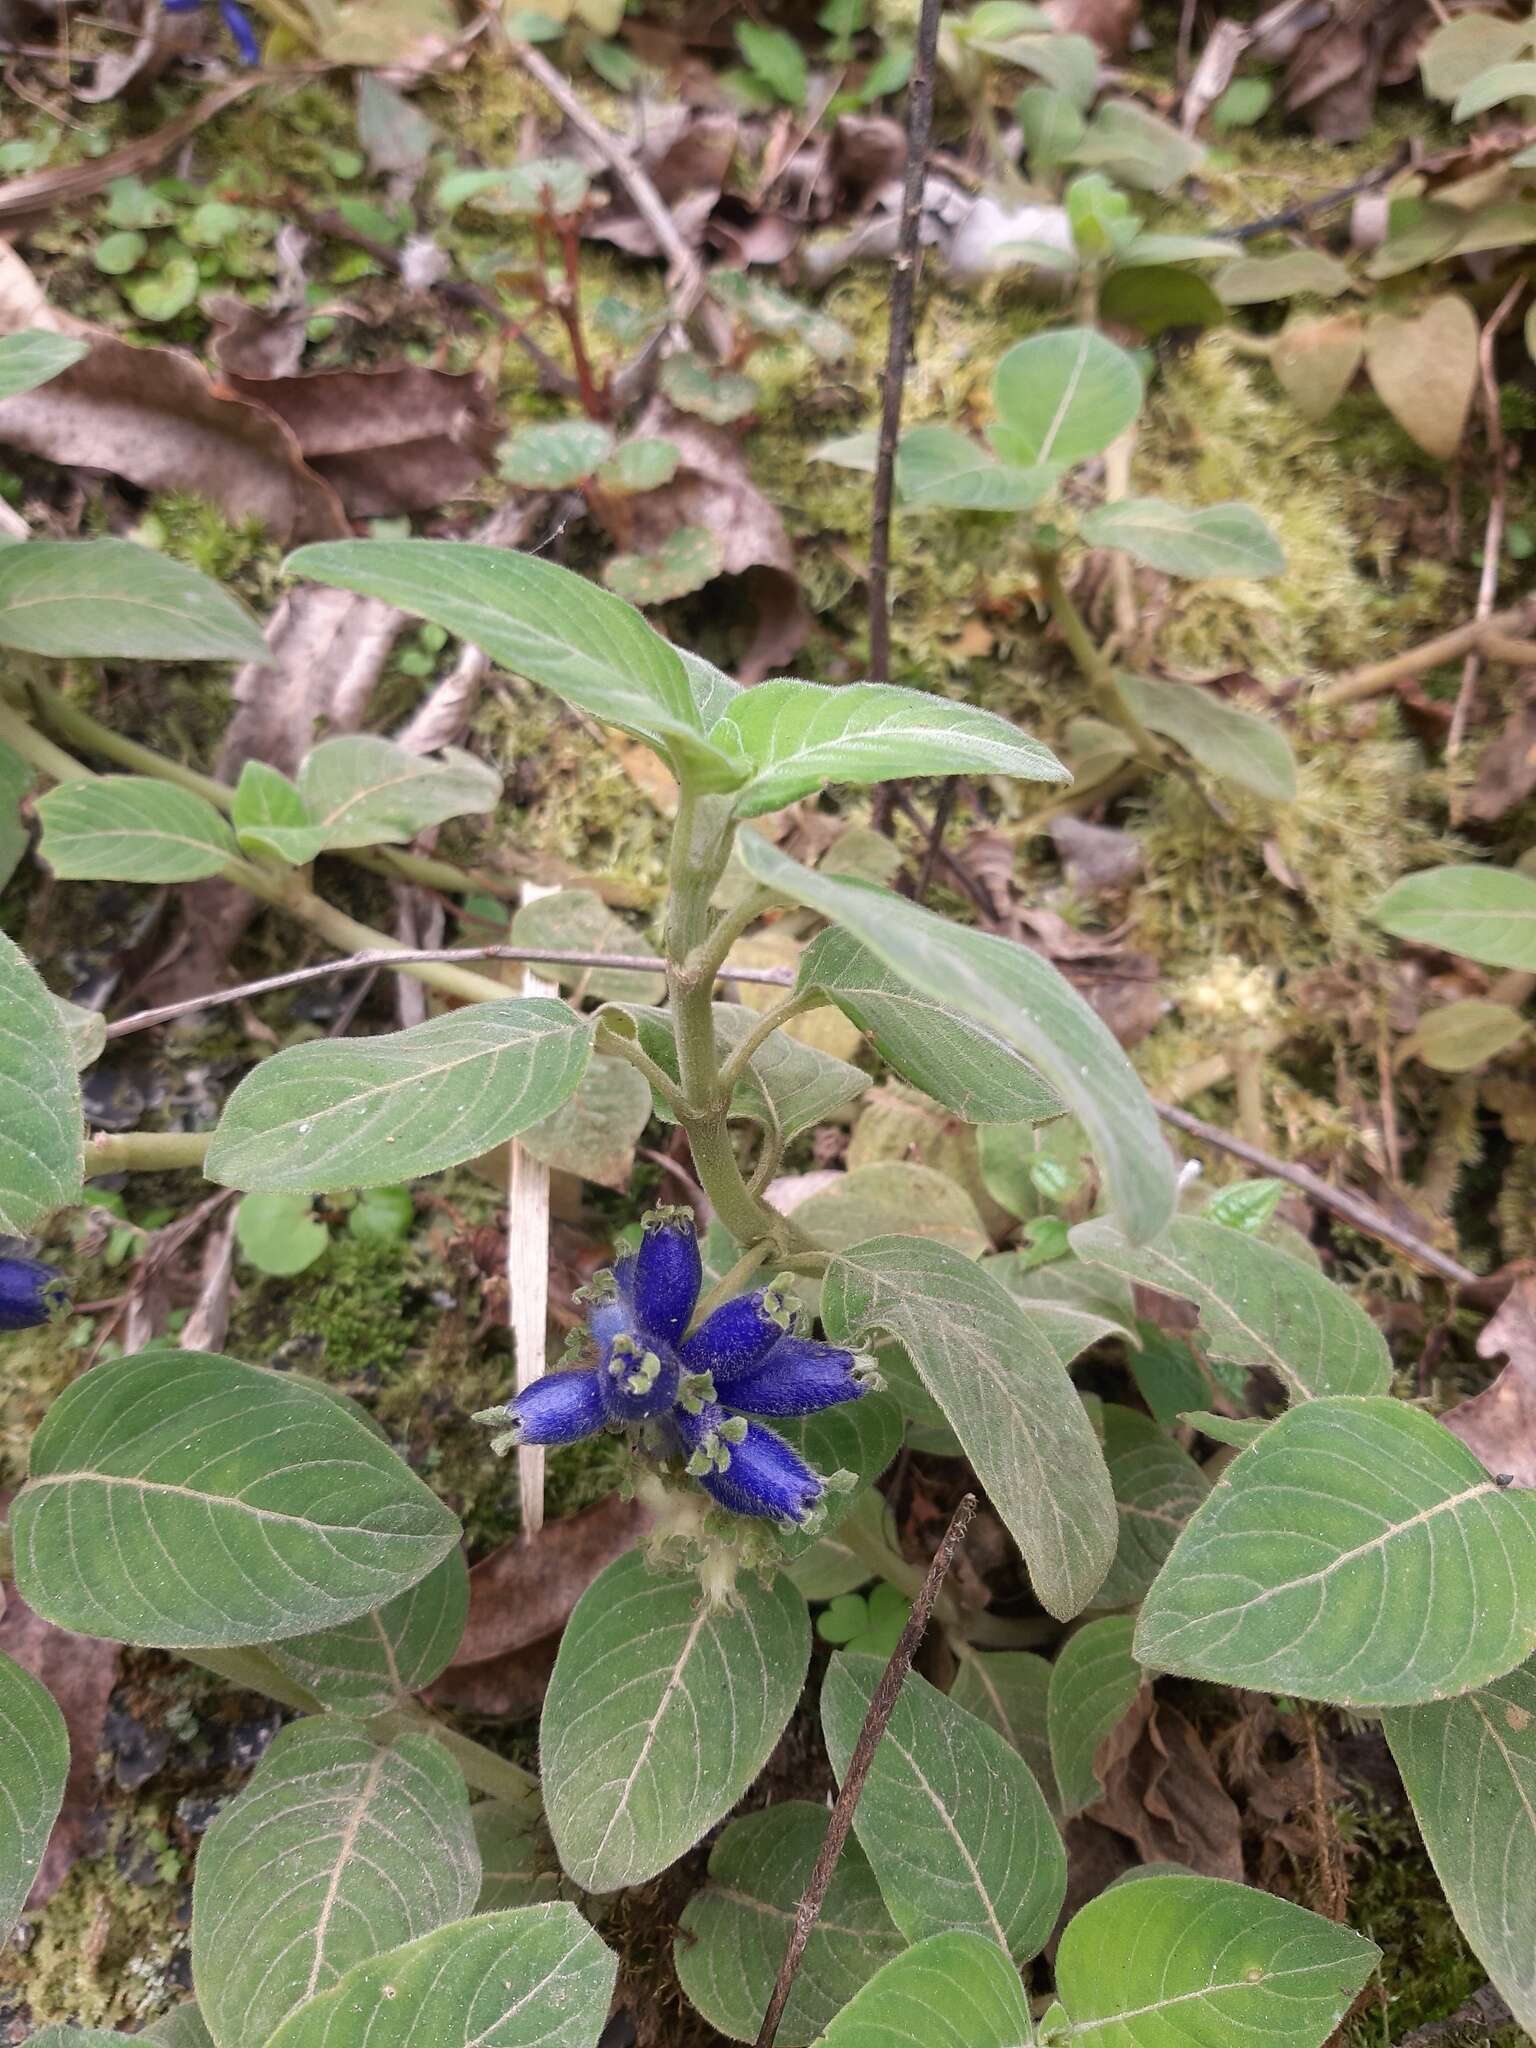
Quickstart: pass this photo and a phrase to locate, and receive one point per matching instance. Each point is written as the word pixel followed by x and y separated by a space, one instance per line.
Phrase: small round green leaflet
pixel 1486 914
pixel 42 1125
pixel 129 828
pixel 956 1830
pixel 377 1661
pixel 114 599
pixel 280 1234
pixel 337 1850
pixel 369 1112
pixel 1201 1963
pixel 1470 1768
pixel 952 1991
pixel 1008 1689
pixel 1258 1306
pixel 660 1713
pixel 1062 397
pixel 34 1762
pixel 734 1931
pixel 181 1500
pixel 1329 1547
pixel 554 457
pixel 1093 1686
pixel 534 1978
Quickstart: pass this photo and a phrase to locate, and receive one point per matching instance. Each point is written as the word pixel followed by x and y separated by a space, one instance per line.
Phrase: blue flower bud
pixel 558 1409
pixel 236 20
pixel 763 1476
pixel 29 1293
pixel 797 1377
pixel 638 1381
pixel 668 1270
pixel 737 1336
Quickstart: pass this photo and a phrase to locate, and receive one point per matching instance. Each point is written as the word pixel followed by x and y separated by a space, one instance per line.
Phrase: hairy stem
pixel 793 1005
pixel 1095 670
pixel 144 1151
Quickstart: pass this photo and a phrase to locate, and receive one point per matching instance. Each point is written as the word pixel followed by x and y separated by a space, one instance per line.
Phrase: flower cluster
pixel 694 1396
pixel 236 20
pixel 30 1293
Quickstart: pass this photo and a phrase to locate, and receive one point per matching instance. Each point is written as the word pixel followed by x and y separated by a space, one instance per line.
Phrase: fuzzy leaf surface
pixel 951 1991
pixel 34 1762
pixel 42 1125
pixel 1486 914
pixel 113 600
pixel 1094 1683
pixel 1064 396
pixel 129 828
pixel 1207 542
pixel 376 1662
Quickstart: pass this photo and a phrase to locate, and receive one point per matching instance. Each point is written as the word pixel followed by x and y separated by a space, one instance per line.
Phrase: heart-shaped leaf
pixel 366 1112
pixel 1198 1960
pixel 113 599
pixel 1424 367
pixel 535 1978
pixel 181 1500
pixel 1212 541
pixel 42 1125
pixel 938 465
pixel 34 1762
pixel 1326 1548
pixel 1316 361
pixel 687 559
pixel 129 828
pixel 1486 914
pixel 1004 1392
pixel 661 1712
pixel 1064 396
pixel 335 1851
pixel 556 456
pixel 734 1929
pixel 956 1830
pixel 1259 1307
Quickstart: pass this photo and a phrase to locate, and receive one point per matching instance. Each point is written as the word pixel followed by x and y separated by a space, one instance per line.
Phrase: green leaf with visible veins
pixel 1020 998
pixel 1486 914
pixel 130 828
pixel 42 1125
pixel 951 1991
pixel 34 1762
pixel 181 1500
pixel 1205 542
pixel 376 1662
pixel 367 1112
pixel 543 622
pixel 1356 1552
pixel 1094 1683
pixel 798 737
pixel 115 600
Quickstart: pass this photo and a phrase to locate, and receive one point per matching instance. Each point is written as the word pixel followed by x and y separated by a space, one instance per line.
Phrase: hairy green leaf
pixel 34 1762
pixel 1064 396
pixel 517 1857
pixel 894 1195
pixel 376 1662
pixel 940 466
pixel 36 355
pixel 579 921
pixel 1486 914
pixel 1094 1683
pixel 1008 1689
pixel 181 1500
pixel 1356 1552
pixel 129 828
pixel 112 598
pixel 1158 1486
pixel 951 1991
pixel 956 1830
pixel 366 1112
pixel 1210 541
pixel 42 1125
pixel 359 790
pixel 660 1713
pixel 1221 737
pixel 335 1851
pixel 790 1081
pixel 734 1929
pixel 1015 994
pixel 1005 1393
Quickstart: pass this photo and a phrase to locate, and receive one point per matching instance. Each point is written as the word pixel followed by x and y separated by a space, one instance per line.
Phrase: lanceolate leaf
pixel 1213 541
pixel 1064 396
pixel 952 1991
pixel 1258 1306
pixel 179 1500
pixel 800 736
pixel 374 1663
pixel 128 828
pixel 34 1762
pixel 1158 1486
pixel 1007 1689
pixel 1013 992
pixel 42 1126
pixel 536 1978
pixel 1486 914
pixel 367 1112
pixel 1357 1552
pixel 1197 1960
pixel 956 1830
pixel 542 622
pixel 1005 1393
pixel 660 1713
pixel 111 598
pixel 335 1851
pixel 1470 1768
pixel 957 1062
pixel 734 1929
pixel 1094 1683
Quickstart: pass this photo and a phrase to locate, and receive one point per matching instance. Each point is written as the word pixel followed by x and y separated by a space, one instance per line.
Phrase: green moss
pixel 103 1948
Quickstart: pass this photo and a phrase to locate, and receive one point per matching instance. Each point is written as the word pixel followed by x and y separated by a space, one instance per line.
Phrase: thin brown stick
pixel 1376 676
pixel 369 962
pixel 1493 539
pixel 899 342
pixel 1354 1209
pixel 881 1707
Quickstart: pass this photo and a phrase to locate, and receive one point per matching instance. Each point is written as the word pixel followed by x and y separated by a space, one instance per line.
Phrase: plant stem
pixel 716 948
pixel 1095 670
pixel 144 1151
pixel 792 1005
pixel 618 1047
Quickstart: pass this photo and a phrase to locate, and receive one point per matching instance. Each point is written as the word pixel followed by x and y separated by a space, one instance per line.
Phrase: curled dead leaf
pixel 1499 1424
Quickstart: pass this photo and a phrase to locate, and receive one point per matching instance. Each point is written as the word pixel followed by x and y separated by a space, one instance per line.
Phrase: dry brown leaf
pixel 80 1672
pixel 1097 858
pixel 1506 775
pixel 1499 1424
pixel 1108 23
pixel 525 1591
pixel 407 439
pixel 256 341
pixel 155 417
pixel 1162 1792
pixel 1316 361
pixel 713 488
pixel 1424 368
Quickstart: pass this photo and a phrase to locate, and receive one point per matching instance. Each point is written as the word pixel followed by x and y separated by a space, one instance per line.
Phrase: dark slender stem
pixel 935 846
pixel 881 1707
pixel 903 288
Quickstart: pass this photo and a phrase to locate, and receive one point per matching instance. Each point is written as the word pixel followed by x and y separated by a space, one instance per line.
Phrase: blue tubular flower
pixel 29 1293
pixel 236 20
pixel 691 1397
